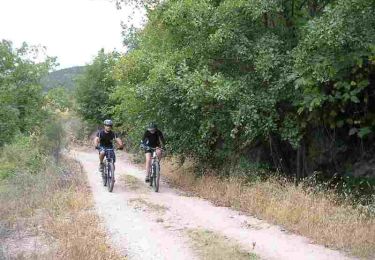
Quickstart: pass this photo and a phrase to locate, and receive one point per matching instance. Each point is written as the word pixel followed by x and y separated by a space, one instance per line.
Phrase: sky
pixel 72 30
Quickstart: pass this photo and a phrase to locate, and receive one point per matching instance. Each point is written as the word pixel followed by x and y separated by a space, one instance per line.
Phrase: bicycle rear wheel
pixel 156 177
pixel 111 177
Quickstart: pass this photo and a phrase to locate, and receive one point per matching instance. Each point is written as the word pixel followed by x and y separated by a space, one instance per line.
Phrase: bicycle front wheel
pixel 156 177
pixel 152 174
pixel 111 177
pixel 104 175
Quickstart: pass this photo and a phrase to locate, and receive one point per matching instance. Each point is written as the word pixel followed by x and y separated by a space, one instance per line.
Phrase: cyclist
pixel 153 138
pixel 104 140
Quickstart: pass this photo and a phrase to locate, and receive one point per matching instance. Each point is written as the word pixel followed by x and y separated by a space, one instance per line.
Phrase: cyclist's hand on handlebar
pixel 163 151
pixel 97 147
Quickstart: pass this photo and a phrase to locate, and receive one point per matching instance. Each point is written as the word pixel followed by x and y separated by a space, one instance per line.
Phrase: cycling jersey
pixel 106 138
pixel 153 139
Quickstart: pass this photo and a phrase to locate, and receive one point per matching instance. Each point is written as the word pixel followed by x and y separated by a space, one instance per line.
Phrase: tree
pixel 94 87
pixel 21 96
pixel 59 98
pixel 223 76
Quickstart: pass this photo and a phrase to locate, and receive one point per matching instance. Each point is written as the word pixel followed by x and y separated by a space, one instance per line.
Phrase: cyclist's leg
pixel 148 164
pixel 159 153
pixel 101 158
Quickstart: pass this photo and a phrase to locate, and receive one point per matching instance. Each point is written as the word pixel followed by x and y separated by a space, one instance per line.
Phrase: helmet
pixel 152 126
pixel 108 122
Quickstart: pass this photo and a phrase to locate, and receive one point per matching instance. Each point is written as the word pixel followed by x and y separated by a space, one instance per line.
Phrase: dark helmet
pixel 108 122
pixel 152 126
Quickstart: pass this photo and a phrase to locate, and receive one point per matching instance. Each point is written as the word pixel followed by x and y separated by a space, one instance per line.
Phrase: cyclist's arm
pixel 96 141
pixel 119 142
pixel 144 138
pixel 161 140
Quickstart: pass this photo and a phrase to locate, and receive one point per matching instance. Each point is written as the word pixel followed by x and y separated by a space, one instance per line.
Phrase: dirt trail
pixel 147 225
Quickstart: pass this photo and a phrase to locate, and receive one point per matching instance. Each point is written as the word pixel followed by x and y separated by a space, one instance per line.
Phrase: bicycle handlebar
pixel 151 148
pixel 109 149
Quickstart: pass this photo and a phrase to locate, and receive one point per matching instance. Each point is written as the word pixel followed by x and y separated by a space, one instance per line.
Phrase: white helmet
pixel 108 122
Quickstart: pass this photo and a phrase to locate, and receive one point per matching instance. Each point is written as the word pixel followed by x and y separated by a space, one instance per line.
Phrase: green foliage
pixel 31 153
pixel 7 169
pixel 59 98
pixel 334 63
pixel 207 74
pixel 28 132
pixel 21 96
pixel 359 191
pixel 21 155
pixel 94 86
pixel 221 75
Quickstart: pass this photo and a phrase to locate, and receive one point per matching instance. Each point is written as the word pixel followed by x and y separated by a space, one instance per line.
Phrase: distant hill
pixel 64 77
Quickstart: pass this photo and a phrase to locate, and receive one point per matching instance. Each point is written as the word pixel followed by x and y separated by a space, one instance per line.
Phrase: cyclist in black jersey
pixel 153 138
pixel 104 140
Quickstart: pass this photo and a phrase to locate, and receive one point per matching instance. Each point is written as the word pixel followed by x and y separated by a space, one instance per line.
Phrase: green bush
pixel 21 97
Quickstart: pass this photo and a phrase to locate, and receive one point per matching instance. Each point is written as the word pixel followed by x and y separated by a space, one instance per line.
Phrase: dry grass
pixel 132 183
pixel 54 207
pixel 212 246
pixel 78 230
pixel 144 204
pixel 317 216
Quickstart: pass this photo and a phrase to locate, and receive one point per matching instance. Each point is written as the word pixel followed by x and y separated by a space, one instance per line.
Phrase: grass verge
pixel 318 216
pixel 213 246
pixel 53 207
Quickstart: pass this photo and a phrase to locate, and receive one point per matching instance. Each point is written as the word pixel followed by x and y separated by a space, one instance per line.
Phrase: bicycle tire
pixel 156 178
pixel 104 175
pixel 111 177
pixel 152 174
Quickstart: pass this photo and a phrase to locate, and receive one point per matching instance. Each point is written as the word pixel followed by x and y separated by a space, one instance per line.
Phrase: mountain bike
pixel 155 170
pixel 155 167
pixel 108 174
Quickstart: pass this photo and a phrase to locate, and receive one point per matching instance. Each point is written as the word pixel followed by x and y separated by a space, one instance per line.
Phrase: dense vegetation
pixel 30 131
pixel 21 97
pixel 288 84
pixel 94 87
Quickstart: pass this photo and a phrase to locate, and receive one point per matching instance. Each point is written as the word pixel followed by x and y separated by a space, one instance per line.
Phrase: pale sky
pixel 72 30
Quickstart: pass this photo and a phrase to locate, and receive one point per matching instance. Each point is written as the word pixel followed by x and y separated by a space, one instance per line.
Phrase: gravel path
pixel 143 224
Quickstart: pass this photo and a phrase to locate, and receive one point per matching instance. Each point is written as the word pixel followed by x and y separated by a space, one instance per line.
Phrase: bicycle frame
pixel 109 155
pixel 154 157
pixel 155 169
pixel 109 168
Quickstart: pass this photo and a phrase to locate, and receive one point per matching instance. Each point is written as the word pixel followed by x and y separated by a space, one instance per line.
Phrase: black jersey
pixel 153 139
pixel 106 139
